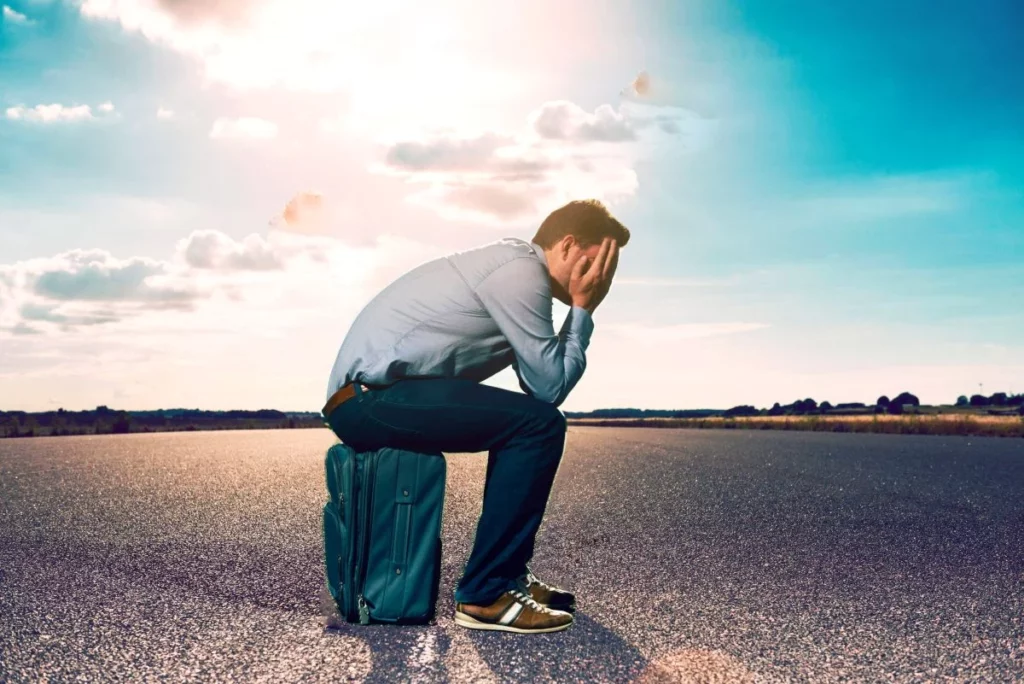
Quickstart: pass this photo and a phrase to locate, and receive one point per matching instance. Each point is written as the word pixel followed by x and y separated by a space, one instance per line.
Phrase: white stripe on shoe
pixel 511 613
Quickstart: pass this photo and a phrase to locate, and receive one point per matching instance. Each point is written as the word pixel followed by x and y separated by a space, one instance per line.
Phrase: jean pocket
pixel 372 413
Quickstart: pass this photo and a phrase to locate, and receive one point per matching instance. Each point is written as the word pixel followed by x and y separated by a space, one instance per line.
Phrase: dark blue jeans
pixel 524 438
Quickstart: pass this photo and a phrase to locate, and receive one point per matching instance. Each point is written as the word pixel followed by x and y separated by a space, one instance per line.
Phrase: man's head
pixel 572 232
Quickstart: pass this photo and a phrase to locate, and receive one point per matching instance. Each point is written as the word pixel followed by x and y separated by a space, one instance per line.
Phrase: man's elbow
pixel 551 393
pixel 551 387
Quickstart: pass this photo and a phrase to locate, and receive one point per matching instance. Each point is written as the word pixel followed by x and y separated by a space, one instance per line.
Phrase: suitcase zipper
pixel 364 612
pixel 367 501
pixel 357 518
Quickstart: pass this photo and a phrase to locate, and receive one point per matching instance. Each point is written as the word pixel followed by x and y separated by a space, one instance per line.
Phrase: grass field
pixel 935 424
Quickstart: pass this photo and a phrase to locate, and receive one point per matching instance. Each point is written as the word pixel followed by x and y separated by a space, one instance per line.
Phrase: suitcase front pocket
pixel 403 561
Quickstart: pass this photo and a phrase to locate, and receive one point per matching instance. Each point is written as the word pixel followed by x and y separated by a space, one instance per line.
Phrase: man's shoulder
pixel 484 259
pixel 517 245
pixel 509 247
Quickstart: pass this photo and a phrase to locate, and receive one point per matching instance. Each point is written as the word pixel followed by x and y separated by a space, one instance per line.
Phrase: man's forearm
pixel 574 338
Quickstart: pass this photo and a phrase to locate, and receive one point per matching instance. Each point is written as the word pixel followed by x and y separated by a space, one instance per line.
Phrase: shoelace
pixel 529 601
pixel 529 579
pixel 532 579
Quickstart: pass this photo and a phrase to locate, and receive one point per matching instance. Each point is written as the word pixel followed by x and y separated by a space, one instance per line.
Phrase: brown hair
pixel 589 221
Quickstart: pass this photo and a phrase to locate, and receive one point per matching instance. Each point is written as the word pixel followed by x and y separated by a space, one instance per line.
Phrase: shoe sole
pixel 470 622
pixel 565 607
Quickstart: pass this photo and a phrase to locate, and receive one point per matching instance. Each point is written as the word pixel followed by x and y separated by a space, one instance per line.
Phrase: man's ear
pixel 565 245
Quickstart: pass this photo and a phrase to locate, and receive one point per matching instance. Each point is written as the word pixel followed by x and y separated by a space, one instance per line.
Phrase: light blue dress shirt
pixel 469 315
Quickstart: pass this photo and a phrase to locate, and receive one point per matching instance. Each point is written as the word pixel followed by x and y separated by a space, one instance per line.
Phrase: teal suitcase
pixel 382 533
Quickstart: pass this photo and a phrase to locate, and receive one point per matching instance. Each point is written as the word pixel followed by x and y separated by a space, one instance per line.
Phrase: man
pixel 410 371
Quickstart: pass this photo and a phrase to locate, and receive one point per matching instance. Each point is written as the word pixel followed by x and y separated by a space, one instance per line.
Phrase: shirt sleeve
pixel 517 295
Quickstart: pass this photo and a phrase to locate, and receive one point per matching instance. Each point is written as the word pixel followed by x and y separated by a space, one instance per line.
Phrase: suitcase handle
pixel 400 548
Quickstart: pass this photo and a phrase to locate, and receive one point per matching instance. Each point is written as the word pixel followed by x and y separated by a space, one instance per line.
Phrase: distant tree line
pixel 1000 399
pixel 901 403
pixel 644 413
pixel 104 420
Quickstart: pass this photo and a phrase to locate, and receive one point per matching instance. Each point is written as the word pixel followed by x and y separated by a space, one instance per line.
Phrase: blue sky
pixel 825 198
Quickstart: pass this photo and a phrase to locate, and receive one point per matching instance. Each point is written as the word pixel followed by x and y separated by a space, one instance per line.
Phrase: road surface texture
pixel 696 555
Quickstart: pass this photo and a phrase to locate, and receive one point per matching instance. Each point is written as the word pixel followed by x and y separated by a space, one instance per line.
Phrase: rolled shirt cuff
pixel 581 325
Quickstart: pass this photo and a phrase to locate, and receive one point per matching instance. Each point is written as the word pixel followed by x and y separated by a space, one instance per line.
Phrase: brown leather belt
pixel 341 396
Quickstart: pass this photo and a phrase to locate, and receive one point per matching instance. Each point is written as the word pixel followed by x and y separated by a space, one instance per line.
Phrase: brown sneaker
pixel 513 611
pixel 543 593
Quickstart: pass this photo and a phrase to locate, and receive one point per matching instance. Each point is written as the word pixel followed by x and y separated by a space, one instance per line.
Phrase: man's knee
pixel 550 417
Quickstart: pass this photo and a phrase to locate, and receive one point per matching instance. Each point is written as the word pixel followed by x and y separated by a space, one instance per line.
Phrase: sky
pixel 197 197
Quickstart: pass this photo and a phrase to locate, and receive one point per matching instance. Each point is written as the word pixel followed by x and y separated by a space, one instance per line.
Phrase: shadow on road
pixel 446 651
pixel 587 646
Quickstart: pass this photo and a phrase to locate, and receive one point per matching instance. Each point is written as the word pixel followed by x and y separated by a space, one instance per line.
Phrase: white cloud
pixel 58 113
pixel 51 313
pixel 212 249
pixel 563 120
pixel 22 328
pixel 85 287
pixel 15 17
pixel 81 290
pixel 211 284
pixel 164 114
pixel 489 152
pixel 51 113
pixel 96 275
pixel 244 127
pixel 563 154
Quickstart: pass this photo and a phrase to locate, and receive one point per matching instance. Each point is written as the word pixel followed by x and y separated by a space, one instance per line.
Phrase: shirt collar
pixel 540 252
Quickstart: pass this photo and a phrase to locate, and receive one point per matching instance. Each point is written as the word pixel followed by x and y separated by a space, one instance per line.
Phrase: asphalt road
pixel 696 555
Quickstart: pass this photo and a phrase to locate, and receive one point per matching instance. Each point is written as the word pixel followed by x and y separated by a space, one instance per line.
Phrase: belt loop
pixel 358 388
